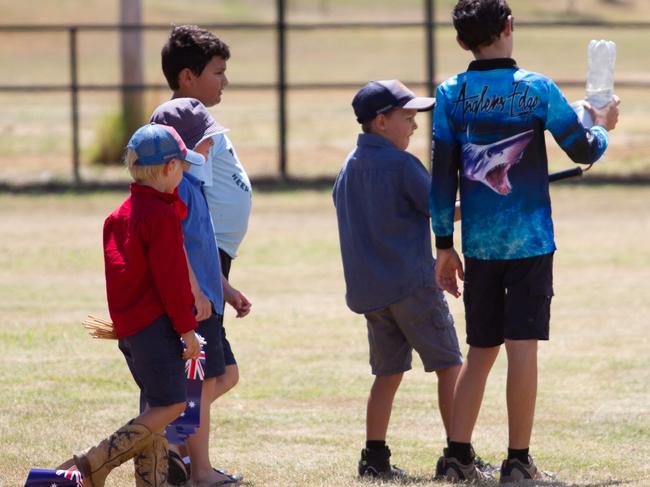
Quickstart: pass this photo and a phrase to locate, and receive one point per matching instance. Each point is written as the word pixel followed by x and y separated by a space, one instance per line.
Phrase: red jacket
pixel 146 268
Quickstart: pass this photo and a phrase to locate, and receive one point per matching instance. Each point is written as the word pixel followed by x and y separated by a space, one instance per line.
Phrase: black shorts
pixel 154 357
pixel 225 261
pixel 218 353
pixel 507 299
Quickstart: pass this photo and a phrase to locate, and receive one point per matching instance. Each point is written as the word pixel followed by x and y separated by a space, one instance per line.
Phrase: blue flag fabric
pixel 41 477
pixel 186 424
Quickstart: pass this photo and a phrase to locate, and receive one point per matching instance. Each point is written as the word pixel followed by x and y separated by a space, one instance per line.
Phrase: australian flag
pixel 41 477
pixel 186 424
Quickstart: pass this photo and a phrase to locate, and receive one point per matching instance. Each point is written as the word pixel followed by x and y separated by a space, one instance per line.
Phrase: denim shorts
pixel 420 321
pixel 218 353
pixel 507 299
pixel 154 357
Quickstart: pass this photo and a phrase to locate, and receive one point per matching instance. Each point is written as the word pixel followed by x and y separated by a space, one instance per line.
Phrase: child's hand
pixel 203 306
pixel 192 345
pixel 240 303
pixel 236 299
pixel 607 116
pixel 448 265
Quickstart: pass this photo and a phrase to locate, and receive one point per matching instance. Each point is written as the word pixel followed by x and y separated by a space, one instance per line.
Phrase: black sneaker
pixel 482 466
pixel 514 470
pixel 486 467
pixel 451 470
pixel 376 464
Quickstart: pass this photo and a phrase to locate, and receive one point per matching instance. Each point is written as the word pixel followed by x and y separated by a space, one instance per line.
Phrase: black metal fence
pixel 280 27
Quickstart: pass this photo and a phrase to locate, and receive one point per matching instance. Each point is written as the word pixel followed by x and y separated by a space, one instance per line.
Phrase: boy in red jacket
pixel 150 303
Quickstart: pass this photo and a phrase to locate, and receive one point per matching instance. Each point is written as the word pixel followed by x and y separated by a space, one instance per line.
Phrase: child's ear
pixel 462 44
pixel 170 167
pixel 380 122
pixel 185 77
pixel 508 28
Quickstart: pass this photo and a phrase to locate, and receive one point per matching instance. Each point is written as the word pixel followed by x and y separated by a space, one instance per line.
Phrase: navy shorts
pixel 508 299
pixel 218 353
pixel 226 262
pixel 154 357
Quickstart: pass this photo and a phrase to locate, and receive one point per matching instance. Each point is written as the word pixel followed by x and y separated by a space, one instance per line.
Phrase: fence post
pixel 430 60
pixel 74 108
pixel 131 64
pixel 281 27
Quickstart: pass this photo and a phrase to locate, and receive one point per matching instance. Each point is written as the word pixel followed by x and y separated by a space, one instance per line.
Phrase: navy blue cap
pixel 378 97
pixel 158 144
pixel 189 117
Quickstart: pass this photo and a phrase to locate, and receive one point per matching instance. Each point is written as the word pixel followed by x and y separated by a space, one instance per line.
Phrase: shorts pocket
pixel 541 295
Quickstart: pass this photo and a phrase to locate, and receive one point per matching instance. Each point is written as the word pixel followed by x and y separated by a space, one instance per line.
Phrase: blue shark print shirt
pixel 489 139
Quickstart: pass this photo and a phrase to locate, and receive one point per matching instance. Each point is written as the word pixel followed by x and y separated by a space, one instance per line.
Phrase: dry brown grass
pixel 297 417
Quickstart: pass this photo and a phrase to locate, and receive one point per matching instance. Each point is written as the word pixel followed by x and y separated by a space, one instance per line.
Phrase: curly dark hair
pixel 190 46
pixel 480 22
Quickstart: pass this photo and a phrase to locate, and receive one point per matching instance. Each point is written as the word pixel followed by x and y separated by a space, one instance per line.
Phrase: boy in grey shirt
pixel 381 197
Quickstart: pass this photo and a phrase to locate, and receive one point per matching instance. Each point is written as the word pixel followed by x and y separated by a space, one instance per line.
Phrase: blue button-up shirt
pixel 200 243
pixel 381 197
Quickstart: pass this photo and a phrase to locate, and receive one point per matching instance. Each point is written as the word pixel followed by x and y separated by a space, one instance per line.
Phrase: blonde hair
pixel 144 173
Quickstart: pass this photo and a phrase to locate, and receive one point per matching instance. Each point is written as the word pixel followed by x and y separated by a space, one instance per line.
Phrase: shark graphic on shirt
pixel 489 164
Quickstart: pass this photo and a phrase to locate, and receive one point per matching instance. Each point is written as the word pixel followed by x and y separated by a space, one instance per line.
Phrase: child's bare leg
pixel 222 384
pixel 225 382
pixel 469 392
pixel 157 418
pixel 70 462
pixel 198 444
pixel 521 391
pixel 446 385
pixel 380 405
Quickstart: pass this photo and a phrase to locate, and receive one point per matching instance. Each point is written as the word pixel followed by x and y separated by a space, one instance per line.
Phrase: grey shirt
pixel 381 197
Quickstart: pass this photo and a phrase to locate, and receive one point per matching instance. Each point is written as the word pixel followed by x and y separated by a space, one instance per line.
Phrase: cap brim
pixel 210 131
pixel 194 158
pixel 420 103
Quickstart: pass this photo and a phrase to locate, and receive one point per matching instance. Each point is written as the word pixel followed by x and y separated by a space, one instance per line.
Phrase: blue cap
pixel 378 97
pixel 158 144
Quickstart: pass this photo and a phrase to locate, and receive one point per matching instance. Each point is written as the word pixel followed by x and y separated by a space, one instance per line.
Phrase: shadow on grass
pixel 428 480
pixel 271 184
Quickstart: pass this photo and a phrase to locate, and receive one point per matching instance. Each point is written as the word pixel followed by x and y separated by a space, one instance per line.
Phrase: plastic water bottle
pixel 601 57
pixel 600 74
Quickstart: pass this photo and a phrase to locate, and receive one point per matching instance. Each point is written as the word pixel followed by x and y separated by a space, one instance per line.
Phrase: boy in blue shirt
pixel 197 127
pixel 194 62
pixel 381 199
pixel 489 137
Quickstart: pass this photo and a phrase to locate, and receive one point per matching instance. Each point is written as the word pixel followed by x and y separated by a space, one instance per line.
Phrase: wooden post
pixel 131 62
pixel 281 31
pixel 74 108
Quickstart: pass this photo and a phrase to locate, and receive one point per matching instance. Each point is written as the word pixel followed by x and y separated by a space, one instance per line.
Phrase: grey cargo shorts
pixel 420 321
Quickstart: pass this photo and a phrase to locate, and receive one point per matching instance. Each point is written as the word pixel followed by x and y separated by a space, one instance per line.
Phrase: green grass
pixel 35 127
pixel 297 416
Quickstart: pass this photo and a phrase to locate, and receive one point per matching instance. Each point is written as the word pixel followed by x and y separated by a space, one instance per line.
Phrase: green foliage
pixel 112 136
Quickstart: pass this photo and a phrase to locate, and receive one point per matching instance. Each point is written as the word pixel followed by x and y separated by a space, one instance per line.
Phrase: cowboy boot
pixel 96 462
pixel 151 464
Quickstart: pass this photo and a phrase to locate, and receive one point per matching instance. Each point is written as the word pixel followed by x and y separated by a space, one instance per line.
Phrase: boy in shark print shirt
pixel 489 138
